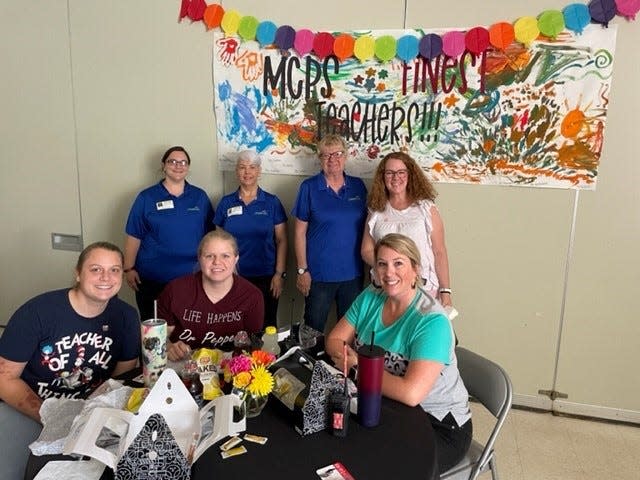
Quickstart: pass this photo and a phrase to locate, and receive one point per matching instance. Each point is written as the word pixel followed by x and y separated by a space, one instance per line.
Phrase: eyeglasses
pixel 396 173
pixel 331 156
pixel 176 163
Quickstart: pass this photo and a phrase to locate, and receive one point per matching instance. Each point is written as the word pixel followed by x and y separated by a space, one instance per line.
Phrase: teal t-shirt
pixel 422 333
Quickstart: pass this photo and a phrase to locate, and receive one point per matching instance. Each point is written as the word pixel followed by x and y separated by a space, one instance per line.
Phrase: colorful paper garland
pixel 551 23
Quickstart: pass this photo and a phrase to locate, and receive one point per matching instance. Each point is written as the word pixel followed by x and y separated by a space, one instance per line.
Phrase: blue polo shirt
pixel 335 226
pixel 253 228
pixel 169 229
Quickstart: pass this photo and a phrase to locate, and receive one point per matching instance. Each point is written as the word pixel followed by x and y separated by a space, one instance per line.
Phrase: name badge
pixel 237 210
pixel 165 205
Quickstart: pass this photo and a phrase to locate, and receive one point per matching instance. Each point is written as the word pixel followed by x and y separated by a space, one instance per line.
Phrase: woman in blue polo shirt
pixel 258 222
pixel 165 226
pixel 330 211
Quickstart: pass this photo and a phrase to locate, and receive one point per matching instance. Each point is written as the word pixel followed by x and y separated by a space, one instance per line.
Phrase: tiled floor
pixel 540 446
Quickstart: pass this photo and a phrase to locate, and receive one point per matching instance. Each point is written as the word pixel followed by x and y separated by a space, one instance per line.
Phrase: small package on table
pixel 303 386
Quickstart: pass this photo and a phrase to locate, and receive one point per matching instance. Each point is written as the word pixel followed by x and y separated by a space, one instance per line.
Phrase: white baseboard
pixel 541 402
pixel 597 411
pixel 532 401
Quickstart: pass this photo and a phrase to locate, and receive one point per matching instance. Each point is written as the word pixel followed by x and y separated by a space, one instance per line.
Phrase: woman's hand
pixel 132 279
pixel 303 283
pixel 337 357
pixel 277 283
pixel 445 299
pixel 178 351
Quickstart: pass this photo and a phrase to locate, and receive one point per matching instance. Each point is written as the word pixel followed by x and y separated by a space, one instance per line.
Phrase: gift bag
pixel 153 454
pixel 303 386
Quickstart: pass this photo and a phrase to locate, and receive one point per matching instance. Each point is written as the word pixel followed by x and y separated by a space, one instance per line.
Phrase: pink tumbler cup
pixel 370 368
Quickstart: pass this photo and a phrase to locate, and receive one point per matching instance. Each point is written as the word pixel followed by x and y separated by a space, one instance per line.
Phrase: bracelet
pixel 445 290
pixel 127 270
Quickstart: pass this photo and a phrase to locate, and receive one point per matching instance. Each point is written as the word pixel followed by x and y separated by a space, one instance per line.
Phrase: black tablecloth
pixel 401 446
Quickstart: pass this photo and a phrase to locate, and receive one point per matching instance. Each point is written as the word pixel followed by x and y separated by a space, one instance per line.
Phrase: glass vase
pixel 255 405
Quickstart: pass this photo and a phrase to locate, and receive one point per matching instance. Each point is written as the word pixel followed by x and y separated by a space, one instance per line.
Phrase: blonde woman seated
pixel 420 362
pixel 207 308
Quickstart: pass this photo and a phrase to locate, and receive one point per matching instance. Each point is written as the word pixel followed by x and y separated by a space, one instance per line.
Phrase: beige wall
pixel 94 91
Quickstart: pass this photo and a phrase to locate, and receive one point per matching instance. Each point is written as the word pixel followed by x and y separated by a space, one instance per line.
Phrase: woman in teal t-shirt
pixel 412 328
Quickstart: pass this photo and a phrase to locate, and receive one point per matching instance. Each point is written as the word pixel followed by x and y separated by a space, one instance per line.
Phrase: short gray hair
pixel 250 156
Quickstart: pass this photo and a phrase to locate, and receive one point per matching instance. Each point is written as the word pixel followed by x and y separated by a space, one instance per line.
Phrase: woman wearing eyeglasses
pixel 165 226
pixel 330 211
pixel 402 201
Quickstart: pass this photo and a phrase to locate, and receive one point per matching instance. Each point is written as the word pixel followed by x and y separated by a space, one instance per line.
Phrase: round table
pixel 401 446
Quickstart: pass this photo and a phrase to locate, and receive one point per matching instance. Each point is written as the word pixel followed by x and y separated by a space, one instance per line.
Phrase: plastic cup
pixel 370 368
pixel 154 350
pixel 308 336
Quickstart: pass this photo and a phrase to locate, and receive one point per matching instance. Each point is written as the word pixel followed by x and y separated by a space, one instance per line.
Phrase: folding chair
pixel 488 383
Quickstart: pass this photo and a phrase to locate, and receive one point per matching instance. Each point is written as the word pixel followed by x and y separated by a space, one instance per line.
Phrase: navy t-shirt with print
pixel 68 355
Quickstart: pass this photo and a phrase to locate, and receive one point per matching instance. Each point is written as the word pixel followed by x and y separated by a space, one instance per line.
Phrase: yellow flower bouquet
pixel 249 375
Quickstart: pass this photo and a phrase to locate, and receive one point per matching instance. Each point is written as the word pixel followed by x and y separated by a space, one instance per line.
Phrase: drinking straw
pixel 344 366
pixel 155 309
pixel 344 358
pixel 373 334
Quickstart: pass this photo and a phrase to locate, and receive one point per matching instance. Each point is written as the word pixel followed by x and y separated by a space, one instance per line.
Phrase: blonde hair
pixel 333 139
pixel 418 185
pixel 218 234
pixel 404 246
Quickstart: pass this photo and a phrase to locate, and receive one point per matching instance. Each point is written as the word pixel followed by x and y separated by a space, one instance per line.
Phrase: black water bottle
pixel 339 410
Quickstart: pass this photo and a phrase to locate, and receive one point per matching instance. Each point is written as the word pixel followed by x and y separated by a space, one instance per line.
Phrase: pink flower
pixel 239 364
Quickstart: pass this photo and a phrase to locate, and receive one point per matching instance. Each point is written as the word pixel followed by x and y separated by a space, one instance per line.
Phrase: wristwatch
pixel 282 274
pixel 302 271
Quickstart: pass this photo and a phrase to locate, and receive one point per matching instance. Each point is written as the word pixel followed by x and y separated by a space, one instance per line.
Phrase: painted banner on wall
pixel 526 115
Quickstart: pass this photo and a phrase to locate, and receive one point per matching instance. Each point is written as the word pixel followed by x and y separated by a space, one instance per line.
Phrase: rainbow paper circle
pixel 364 47
pixel 285 36
pixel 430 46
pixel 196 10
pixel 230 22
pixel 343 46
pixel 304 41
pixel 323 44
pixel 501 35
pixel 628 8
pixel 576 17
pixel 551 23
pixel 453 43
pixel 476 40
pixel 407 48
pixel 602 11
pixel 526 30
pixel 248 27
pixel 213 15
pixel 266 33
pixel 385 47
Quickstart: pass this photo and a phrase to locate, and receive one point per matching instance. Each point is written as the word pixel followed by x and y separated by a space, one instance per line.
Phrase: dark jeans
pixel 321 297
pixel 148 291
pixel 270 303
pixel 452 441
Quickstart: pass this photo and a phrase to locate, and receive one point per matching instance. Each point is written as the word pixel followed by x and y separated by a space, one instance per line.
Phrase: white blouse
pixel 415 223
